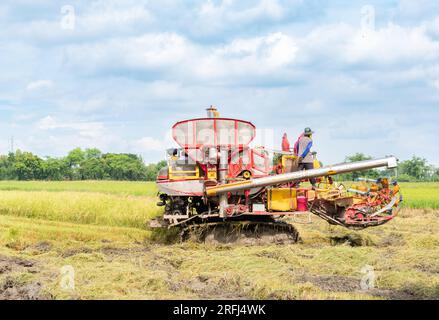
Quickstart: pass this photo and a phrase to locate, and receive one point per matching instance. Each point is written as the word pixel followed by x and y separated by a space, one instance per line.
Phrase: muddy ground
pixel 13 289
pixel 325 264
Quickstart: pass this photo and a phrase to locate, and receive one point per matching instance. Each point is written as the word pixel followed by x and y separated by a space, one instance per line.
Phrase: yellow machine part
pixel 360 187
pixel 357 200
pixel 289 163
pixel 246 174
pixel 211 174
pixel 282 199
pixel 184 174
pixel 317 164
pixel 395 191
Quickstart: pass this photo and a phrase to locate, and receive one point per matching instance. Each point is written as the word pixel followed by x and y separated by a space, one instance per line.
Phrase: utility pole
pixel 12 144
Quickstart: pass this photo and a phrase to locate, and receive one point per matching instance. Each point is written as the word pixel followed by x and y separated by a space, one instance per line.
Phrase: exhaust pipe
pixel 390 162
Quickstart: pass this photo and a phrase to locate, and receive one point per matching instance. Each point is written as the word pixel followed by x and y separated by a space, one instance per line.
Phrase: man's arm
pixel 307 150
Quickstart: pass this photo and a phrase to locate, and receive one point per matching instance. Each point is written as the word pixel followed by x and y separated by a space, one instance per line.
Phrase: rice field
pixel 80 207
pixel 135 188
pixel 98 229
pixel 421 195
pixel 416 195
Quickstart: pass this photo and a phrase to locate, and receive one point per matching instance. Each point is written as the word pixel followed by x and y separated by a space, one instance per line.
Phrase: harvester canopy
pixel 197 135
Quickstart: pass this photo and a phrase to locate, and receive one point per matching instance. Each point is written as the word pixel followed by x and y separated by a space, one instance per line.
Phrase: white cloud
pixel 165 90
pixel 88 104
pixel 392 45
pixel 314 106
pixel 226 12
pixel 177 56
pixel 266 56
pixel 95 19
pixel 39 85
pixel 48 123
pixel 102 16
pixel 138 66
pixel 273 50
pixel 3 11
pixel 389 45
pixel 152 50
pixel 435 84
pixel 90 130
pixel 148 144
pixel 419 9
pixel 432 28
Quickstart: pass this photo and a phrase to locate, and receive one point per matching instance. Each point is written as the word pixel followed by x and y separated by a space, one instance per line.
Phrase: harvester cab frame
pixel 216 179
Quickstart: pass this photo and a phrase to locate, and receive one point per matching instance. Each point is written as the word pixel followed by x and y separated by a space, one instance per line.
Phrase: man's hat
pixel 308 131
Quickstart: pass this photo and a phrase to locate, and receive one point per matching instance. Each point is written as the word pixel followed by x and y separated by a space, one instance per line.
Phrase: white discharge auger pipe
pixel 390 162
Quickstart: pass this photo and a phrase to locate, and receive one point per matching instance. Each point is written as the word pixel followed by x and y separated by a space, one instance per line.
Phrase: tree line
pixel 88 164
pixel 92 164
pixel 413 170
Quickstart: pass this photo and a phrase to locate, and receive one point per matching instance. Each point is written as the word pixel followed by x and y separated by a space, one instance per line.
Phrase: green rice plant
pixel 80 207
pixel 416 195
pixel 420 195
pixel 138 188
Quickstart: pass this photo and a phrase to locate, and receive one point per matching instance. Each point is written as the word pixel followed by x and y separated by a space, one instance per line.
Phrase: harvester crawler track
pixel 241 232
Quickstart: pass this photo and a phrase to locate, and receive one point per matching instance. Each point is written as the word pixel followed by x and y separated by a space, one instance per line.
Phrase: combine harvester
pixel 217 188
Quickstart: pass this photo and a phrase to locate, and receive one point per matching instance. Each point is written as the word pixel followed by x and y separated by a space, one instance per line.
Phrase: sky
pixel 117 75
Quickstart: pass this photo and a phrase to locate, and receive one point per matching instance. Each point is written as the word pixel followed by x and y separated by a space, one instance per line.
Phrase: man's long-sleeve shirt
pixel 305 145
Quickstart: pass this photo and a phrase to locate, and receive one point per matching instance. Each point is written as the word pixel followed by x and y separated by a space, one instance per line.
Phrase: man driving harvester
pixel 302 149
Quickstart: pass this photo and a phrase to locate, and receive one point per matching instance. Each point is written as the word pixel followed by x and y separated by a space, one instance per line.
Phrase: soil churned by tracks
pixel 12 288
pixel 242 233
pixel 12 264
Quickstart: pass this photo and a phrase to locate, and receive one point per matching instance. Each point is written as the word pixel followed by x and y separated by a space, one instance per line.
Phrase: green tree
pixel 373 174
pixel 435 177
pixel 93 169
pixel 27 166
pixel 77 165
pixel 7 167
pixel 92 153
pixel 153 169
pixel 55 169
pixel 75 157
pixel 124 166
pixel 417 168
